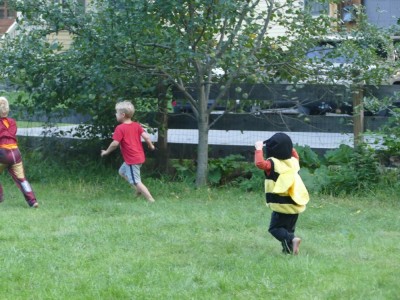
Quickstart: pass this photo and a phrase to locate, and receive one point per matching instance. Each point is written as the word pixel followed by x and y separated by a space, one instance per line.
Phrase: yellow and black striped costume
pixel 284 188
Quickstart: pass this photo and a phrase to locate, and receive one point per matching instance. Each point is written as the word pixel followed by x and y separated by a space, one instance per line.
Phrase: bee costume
pixel 285 191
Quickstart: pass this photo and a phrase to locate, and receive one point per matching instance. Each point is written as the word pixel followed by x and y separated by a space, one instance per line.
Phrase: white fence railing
pixel 12 30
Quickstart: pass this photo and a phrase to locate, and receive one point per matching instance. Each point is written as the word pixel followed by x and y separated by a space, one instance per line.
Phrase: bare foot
pixel 296 245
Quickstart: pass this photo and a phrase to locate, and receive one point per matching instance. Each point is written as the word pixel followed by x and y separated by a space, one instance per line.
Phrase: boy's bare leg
pixel 296 245
pixel 142 189
pixel 137 193
pixel 123 176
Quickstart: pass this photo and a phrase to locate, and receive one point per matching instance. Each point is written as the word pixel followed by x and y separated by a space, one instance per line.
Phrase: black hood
pixel 279 146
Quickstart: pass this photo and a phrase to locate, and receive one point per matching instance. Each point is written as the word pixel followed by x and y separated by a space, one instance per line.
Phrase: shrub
pixel 308 158
pixel 231 170
pixel 185 170
pixel 228 170
pixel 349 170
pixel 391 139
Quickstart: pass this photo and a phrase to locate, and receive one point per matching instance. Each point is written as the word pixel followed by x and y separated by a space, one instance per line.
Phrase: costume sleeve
pixel 260 162
pixel 295 154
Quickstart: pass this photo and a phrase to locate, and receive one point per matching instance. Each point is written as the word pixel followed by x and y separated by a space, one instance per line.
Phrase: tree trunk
pixel 358 114
pixel 162 155
pixel 202 147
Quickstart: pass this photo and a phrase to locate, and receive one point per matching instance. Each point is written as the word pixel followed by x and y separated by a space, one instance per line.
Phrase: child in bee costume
pixel 285 191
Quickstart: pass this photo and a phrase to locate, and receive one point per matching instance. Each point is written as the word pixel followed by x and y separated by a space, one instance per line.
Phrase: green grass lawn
pixel 96 241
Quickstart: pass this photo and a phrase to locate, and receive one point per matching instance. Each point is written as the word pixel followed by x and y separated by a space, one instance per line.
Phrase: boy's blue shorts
pixel 131 173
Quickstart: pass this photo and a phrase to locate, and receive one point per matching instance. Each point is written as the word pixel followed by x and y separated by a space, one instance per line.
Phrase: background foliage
pixel 128 49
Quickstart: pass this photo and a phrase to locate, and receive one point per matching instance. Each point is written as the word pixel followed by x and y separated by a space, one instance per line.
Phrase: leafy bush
pixel 315 180
pixel 308 158
pixel 230 169
pixel 345 170
pixel 341 171
pixel 349 170
pixel 340 156
pixel 391 134
pixel 185 170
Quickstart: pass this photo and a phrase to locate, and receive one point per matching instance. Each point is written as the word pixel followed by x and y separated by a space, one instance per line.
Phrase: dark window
pixel 6 12
pixel 316 8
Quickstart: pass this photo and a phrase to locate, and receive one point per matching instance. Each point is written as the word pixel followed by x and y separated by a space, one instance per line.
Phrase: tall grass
pixel 92 239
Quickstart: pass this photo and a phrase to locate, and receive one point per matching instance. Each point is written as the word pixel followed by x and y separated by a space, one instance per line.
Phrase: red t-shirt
pixel 129 137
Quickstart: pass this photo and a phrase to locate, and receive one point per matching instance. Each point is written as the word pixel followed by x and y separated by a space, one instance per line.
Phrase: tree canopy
pixel 123 48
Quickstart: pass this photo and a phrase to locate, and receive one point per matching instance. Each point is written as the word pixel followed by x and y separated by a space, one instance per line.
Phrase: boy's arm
pixel 259 158
pixel 148 141
pixel 295 154
pixel 114 145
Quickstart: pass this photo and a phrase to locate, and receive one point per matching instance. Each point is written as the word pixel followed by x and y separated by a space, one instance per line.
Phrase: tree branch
pixel 155 45
pixel 261 35
pixel 237 29
pixel 181 87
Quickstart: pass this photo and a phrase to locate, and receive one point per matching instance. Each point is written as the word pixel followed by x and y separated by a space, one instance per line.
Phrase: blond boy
pixel 128 136
pixel 10 156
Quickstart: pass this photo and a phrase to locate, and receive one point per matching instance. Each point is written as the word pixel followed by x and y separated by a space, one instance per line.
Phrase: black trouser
pixel 282 227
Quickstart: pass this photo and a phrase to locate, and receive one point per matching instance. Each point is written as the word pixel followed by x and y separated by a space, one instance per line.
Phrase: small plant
pixel 308 158
pixel 255 182
pixel 340 156
pixel 185 170
pixel 230 169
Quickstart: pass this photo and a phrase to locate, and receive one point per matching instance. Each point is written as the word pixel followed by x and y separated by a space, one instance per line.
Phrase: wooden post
pixel 358 114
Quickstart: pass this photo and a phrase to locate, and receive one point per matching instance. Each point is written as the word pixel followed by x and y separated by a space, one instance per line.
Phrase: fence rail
pixel 235 133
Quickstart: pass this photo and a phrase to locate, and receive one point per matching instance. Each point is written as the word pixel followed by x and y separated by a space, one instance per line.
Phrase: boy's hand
pixel 152 147
pixel 114 145
pixel 259 145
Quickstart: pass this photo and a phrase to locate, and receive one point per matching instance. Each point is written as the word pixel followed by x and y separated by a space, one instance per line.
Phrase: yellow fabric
pixel 289 181
pixel 298 191
pixel 288 209
pixel 9 146
pixel 18 170
pixel 5 122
